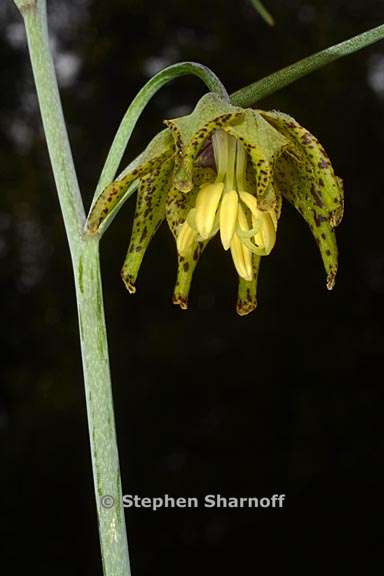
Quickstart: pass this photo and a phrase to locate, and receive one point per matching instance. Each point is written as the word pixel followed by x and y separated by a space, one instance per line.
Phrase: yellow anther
pixel 243 222
pixel 268 232
pixel 247 255
pixel 207 202
pixel 266 237
pixel 250 202
pixel 185 239
pixel 228 217
pixel 242 258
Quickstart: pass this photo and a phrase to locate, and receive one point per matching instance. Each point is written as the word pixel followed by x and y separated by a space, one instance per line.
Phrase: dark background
pixel 288 400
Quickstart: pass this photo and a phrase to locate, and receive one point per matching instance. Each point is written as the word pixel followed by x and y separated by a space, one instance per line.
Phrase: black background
pixel 288 400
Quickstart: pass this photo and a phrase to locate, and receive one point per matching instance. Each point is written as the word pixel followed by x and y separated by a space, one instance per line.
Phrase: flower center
pixel 228 206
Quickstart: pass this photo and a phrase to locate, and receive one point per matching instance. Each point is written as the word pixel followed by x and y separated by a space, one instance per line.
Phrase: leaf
pixel 249 95
pixel 259 6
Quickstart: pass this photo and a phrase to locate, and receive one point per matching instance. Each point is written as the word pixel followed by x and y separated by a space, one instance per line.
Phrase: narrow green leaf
pixel 261 9
pixel 251 94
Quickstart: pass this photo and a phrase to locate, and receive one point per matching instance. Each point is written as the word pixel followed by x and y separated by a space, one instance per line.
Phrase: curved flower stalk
pixel 225 170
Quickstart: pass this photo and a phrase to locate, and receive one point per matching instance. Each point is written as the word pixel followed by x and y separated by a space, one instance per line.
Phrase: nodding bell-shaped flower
pixel 224 170
pixel 225 205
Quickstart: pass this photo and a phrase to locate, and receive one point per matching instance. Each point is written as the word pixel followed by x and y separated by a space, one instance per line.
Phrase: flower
pixel 223 205
pixel 225 170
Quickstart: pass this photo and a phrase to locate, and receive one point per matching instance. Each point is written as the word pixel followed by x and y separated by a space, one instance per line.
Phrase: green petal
pixel 177 208
pixel 150 212
pixel 185 270
pixel 191 132
pixel 209 107
pixel 295 183
pixel 254 131
pixel 247 291
pixel 157 152
pixel 326 191
pixel 264 145
pixel 272 200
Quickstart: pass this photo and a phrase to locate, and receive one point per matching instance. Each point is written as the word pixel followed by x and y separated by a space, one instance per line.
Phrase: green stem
pixel 86 266
pixel 137 106
pixel 34 14
pixel 266 86
pixel 101 421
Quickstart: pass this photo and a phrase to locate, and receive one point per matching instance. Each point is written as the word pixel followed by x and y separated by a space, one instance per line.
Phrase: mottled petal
pixel 178 206
pixel 158 151
pixel 185 269
pixel 294 182
pixel 263 145
pixel 247 291
pixel 191 133
pixel 150 212
pixel 255 132
pixel 326 191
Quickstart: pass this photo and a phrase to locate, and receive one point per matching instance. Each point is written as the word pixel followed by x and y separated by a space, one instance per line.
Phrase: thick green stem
pixel 98 391
pixel 85 260
pixel 266 86
pixel 35 19
pixel 138 104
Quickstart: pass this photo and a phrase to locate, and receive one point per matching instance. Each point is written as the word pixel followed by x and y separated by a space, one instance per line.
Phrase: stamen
pixel 228 217
pixel 265 236
pixel 243 221
pixel 248 263
pixel 220 150
pixel 241 167
pixel 207 202
pixel 242 234
pixel 250 202
pixel 268 232
pixel 231 163
pixel 246 231
pixel 185 239
pixel 242 258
